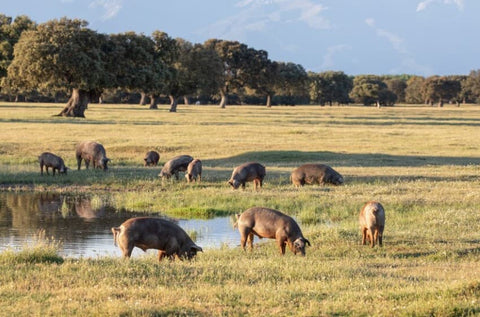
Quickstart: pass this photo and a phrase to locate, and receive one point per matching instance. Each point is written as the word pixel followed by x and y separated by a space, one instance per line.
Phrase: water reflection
pixel 82 224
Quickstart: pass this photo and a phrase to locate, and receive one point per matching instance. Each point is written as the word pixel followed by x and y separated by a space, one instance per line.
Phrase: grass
pixel 422 163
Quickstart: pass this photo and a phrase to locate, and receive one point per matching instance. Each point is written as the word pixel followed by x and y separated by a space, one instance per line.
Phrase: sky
pixel 382 37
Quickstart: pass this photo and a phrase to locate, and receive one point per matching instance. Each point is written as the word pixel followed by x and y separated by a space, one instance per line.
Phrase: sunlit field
pixel 420 162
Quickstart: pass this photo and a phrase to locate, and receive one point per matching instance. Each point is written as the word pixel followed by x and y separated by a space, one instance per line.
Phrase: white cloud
pixel 370 22
pixel 332 51
pixel 259 15
pixel 395 40
pixel 111 7
pixel 408 63
pixel 310 12
pixel 424 4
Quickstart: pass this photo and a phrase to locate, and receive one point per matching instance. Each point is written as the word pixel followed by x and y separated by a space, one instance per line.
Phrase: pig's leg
pixel 250 240
pixel 380 236
pixel 244 232
pixel 161 255
pixel 281 244
pixel 371 236
pixel 364 236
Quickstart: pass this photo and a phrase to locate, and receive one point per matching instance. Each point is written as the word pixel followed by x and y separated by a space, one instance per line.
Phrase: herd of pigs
pixel 172 241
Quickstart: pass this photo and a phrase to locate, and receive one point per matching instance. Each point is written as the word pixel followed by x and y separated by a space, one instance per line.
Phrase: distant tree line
pixel 65 61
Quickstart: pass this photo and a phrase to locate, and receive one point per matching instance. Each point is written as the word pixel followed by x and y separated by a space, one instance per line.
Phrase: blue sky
pixel 422 37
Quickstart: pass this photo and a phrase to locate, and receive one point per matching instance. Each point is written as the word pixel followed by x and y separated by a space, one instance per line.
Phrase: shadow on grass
pixel 294 158
pixel 163 313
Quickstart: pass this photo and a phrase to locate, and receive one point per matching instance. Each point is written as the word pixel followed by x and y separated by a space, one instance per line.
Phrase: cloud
pixel 310 12
pixel 332 51
pixel 370 22
pixel 111 7
pixel 424 4
pixel 258 15
pixel 408 63
pixel 395 40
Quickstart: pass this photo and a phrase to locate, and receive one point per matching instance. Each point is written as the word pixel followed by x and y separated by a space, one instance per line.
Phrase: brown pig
pixel 194 170
pixel 154 233
pixel 247 172
pixel 272 224
pixel 48 159
pixel 372 223
pixel 175 165
pixel 91 151
pixel 151 158
pixel 315 174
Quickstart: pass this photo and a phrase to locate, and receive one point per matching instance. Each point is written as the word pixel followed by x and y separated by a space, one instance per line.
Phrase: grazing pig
pixel 151 158
pixel 48 159
pixel 372 223
pixel 246 173
pixel 94 152
pixel 194 170
pixel 272 224
pixel 315 174
pixel 175 165
pixel 154 233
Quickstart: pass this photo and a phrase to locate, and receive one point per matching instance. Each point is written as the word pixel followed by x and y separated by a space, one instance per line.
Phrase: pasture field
pixel 421 163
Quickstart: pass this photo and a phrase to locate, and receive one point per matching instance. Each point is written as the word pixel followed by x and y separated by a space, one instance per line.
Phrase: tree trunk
pixel 186 102
pixel 77 104
pixel 223 101
pixel 143 99
pixel 440 103
pixel 173 103
pixel 269 101
pixel 153 102
pixel 378 104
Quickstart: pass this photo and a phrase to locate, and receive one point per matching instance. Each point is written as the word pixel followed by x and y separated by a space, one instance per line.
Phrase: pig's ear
pixel 307 242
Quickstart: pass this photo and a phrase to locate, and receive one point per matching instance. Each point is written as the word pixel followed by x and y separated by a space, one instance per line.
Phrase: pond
pixel 83 226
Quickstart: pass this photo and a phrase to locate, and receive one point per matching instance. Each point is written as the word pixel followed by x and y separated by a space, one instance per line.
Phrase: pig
pixel 175 165
pixel 194 170
pixel 48 159
pixel 372 223
pixel 91 151
pixel 247 172
pixel 154 233
pixel 272 224
pixel 315 174
pixel 151 158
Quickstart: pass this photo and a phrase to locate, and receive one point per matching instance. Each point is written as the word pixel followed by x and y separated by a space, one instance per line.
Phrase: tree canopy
pixel 65 56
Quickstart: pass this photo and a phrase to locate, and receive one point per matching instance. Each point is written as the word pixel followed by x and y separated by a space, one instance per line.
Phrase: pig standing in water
pixel 194 170
pixel 315 174
pixel 246 173
pixel 48 159
pixel 372 223
pixel 154 233
pixel 151 158
pixel 272 224
pixel 175 165
pixel 94 152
